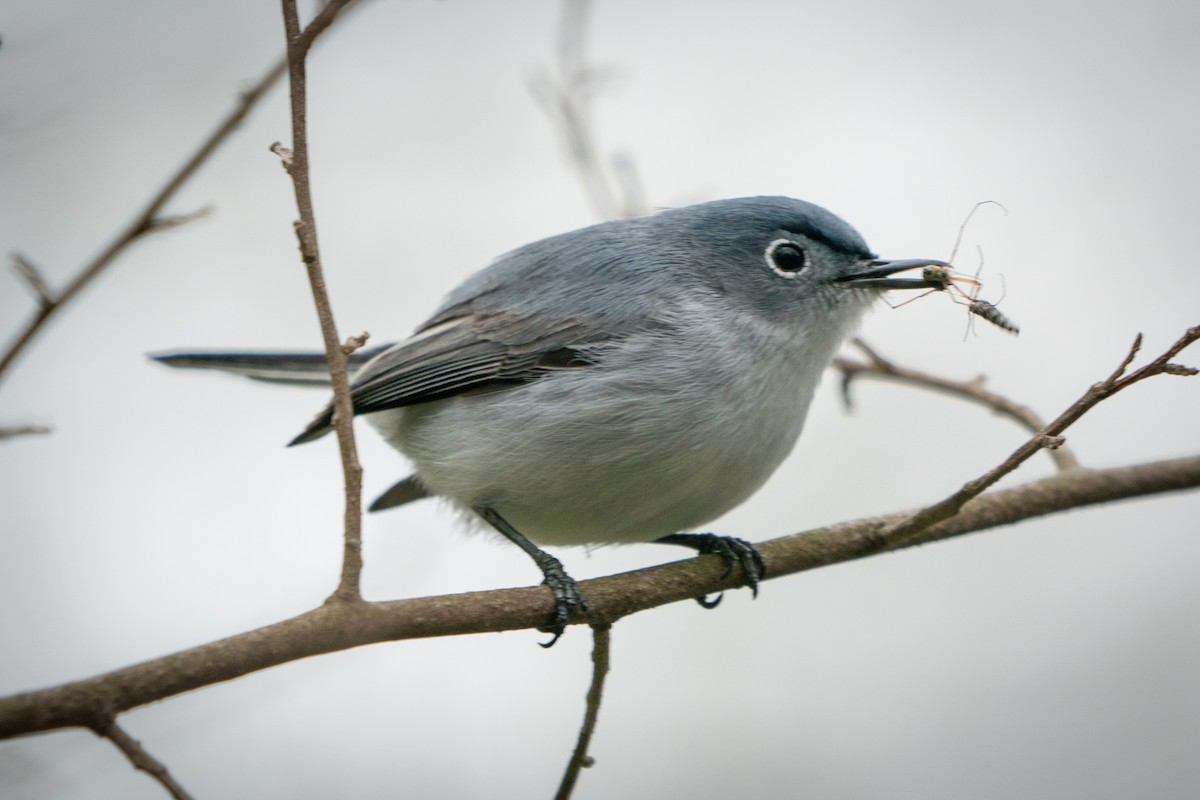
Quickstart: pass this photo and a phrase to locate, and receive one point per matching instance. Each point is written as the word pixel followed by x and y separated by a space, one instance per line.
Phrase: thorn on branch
pixel 355 342
pixel 28 272
pixel 308 250
pixel 285 156
pixel 977 384
pixel 1052 442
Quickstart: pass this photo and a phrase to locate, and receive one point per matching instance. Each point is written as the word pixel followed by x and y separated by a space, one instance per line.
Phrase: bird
pixel 626 382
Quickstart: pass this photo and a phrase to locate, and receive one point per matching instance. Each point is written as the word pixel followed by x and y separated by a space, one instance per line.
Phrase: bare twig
pixel 296 163
pixel 23 430
pixel 1047 437
pixel 601 641
pixel 340 626
pixel 566 96
pixel 141 759
pixel 166 223
pixel 332 10
pixel 148 220
pixel 876 366
pixel 1133 351
pixel 32 276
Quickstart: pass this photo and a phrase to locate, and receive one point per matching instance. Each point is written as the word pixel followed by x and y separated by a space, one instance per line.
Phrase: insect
pixel 952 282
pixel 982 308
pixel 989 312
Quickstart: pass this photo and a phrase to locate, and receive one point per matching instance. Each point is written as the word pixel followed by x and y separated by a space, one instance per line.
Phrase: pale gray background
pixel 1057 659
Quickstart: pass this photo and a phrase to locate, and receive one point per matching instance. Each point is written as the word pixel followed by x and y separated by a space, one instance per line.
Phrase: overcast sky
pixel 1054 659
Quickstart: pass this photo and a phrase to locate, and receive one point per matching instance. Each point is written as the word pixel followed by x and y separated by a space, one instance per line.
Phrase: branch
pixel 295 161
pixel 141 758
pixel 337 626
pixel 601 640
pixel 27 271
pixel 972 391
pixel 148 220
pixel 1050 436
pixel 22 430
pixel 566 97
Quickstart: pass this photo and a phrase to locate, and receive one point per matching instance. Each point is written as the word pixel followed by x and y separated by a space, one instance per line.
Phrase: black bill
pixel 877 276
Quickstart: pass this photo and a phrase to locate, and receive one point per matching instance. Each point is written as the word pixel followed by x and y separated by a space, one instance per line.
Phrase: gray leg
pixel 562 586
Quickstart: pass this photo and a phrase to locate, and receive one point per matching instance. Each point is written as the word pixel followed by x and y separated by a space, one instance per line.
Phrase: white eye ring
pixel 786 258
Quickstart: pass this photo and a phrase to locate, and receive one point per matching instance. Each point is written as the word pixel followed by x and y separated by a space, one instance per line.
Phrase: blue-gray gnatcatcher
pixel 620 383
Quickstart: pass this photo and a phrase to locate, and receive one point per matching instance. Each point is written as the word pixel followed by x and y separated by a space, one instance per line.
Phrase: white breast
pixel 658 438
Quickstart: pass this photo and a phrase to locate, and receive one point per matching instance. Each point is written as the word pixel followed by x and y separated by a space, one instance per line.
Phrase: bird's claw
pixel 567 598
pixel 732 550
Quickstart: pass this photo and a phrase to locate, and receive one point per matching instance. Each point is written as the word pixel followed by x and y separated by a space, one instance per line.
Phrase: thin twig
pixel 146 220
pixel 296 163
pixel 601 641
pixel 32 276
pixel 141 758
pixel 23 430
pixel 334 627
pixel 1047 437
pixel 332 10
pixel 876 366
pixel 166 223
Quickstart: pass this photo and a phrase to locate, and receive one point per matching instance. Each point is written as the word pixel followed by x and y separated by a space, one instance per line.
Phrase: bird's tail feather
pixel 297 369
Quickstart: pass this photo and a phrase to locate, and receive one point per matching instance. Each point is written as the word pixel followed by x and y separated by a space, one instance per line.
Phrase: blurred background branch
pixel 566 94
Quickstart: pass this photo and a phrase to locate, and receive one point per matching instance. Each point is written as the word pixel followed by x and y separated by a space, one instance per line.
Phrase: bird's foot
pixel 733 551
pixel 567 598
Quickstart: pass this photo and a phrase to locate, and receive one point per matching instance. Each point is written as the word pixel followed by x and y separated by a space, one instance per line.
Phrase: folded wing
pixel 464 350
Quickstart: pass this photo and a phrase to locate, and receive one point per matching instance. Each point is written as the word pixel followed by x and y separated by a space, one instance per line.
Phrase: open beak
pixel 877 276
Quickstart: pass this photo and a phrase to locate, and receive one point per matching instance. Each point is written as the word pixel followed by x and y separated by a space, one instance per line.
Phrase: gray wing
pixel 465 350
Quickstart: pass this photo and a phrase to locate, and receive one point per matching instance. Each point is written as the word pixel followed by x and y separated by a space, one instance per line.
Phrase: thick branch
pixel 340 625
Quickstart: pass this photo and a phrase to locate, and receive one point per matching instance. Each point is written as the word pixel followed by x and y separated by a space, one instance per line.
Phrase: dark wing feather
pixel 463 351
pixel 404 491
pixel 301 369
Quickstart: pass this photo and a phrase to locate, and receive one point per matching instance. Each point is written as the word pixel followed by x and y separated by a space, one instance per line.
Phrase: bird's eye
pixel 786 258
